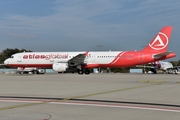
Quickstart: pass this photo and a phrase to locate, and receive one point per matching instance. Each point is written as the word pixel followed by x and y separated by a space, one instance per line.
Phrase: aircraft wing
pixel 156 56
pixel 78 59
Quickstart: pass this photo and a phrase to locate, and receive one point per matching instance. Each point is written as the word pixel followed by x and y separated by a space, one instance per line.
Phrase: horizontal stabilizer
pixel 161 55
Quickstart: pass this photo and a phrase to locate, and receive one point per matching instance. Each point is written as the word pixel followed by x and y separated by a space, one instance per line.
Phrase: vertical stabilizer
pixel 159 43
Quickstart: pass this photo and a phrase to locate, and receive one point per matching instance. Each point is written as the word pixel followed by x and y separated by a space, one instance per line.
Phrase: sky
pixel 86 25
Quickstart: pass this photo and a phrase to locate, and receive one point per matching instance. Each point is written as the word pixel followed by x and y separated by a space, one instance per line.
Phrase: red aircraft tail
pixel 160 42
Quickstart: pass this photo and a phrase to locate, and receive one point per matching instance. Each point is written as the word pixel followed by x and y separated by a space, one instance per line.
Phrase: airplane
pixel 164 66
pixel 82 61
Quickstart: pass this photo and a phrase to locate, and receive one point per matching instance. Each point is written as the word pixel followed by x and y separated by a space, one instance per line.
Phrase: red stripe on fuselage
pixel 117 58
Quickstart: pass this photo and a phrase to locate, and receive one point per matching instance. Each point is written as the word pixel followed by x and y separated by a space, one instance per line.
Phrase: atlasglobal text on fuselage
pixel 45 57
pixel 62 61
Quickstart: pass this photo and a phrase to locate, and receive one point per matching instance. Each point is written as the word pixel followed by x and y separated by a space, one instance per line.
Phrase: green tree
pixel 175 63
pixel 178 64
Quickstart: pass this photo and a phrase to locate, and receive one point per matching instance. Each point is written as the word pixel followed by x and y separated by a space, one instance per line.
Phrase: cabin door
pixel 19 59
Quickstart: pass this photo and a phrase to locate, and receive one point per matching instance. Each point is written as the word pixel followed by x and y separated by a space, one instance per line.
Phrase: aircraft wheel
pixel 175 71
pixel 87 72
pixel 22 73
pixel 80 72
pixel 170 71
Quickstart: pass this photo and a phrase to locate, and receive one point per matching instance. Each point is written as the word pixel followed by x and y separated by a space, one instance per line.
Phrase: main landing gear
pixel 82 71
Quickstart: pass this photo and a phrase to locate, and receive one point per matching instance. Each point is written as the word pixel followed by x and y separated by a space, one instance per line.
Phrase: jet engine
pixel 60 67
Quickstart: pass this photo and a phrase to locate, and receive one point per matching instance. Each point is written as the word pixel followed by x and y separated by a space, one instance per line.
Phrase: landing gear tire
pixel 170 71
pixel 87 72
pixel 80 72
pixel 175 71
pixel 22 73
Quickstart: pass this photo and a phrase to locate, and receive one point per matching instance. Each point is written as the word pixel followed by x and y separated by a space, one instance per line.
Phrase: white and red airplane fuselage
pixel 61 61
pixel 93 59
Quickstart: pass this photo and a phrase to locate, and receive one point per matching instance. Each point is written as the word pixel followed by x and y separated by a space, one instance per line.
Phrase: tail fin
pixel 160 42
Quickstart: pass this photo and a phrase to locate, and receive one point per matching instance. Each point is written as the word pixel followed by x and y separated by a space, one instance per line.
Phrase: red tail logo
pixel 160 42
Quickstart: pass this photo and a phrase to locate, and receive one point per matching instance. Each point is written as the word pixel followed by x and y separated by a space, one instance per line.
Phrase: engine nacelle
pixel 60 67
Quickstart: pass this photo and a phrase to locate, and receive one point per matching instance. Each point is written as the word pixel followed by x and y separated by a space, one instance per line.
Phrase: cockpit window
pixel 12 57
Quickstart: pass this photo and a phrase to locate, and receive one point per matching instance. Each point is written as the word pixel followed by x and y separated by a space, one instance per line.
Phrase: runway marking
pixel 19 106
pixel 93 104
pixel 28 103
pixel 121 106
pixel 82 96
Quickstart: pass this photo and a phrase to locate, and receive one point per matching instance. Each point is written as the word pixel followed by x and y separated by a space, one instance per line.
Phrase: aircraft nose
pixel 6 61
